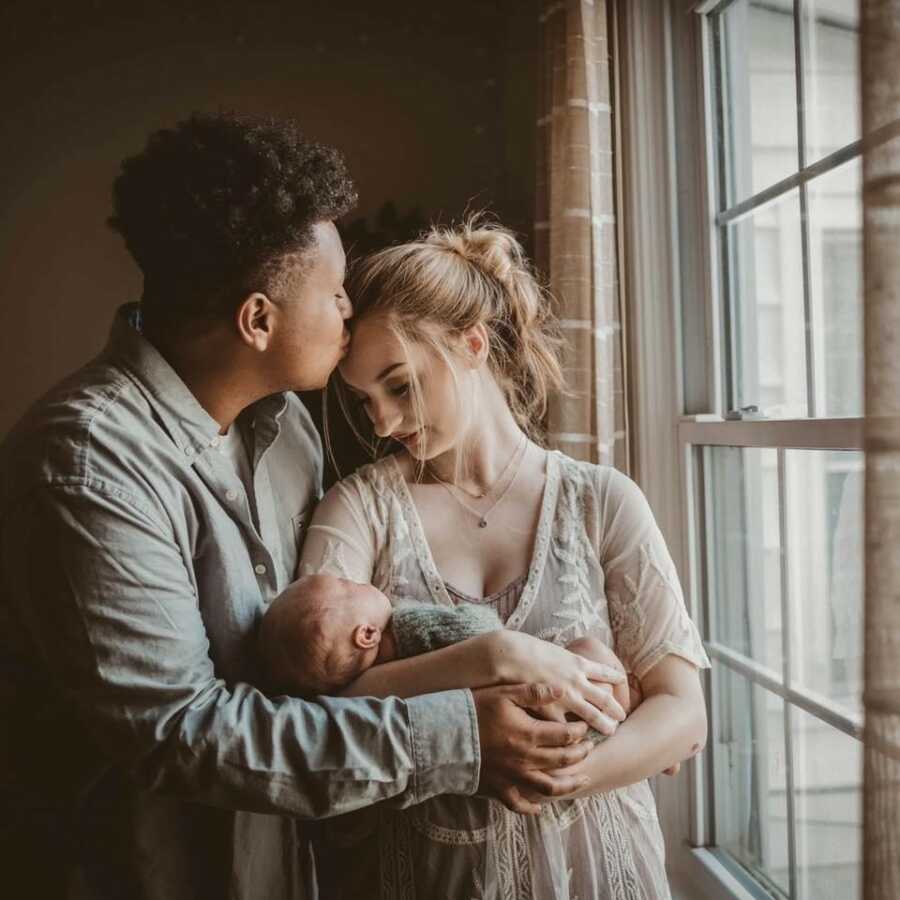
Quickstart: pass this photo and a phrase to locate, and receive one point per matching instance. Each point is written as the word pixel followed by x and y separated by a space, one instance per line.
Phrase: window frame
pixel 678 388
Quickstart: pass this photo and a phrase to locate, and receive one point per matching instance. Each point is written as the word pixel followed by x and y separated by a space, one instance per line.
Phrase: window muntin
pixel 786 180
pixel 783 597
pixel 766 315
pixel 757 92
pixel 830 31
pixel 750 815
pixel 835 245
pixel 775 474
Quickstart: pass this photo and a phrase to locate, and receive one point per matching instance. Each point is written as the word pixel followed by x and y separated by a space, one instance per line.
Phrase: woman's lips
pixel 408 439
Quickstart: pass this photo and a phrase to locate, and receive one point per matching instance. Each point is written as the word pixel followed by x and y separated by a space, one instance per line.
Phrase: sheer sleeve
pixel 646 606
pixel 341 539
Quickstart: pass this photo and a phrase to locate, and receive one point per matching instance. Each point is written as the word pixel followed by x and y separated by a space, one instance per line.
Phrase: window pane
pixel 750 781
pixel 827 810
pixel 835 218
pixel 743 544
pixel 767 315
pixel 824 498
pixel 758 88
pixel 831 75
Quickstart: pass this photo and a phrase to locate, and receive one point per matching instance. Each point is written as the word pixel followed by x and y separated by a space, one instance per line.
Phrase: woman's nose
pixel 385 419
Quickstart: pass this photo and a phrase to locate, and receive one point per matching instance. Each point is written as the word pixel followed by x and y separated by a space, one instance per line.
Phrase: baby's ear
pixel 365 637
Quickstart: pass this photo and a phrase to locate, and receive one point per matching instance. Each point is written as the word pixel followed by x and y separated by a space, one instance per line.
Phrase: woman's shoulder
pixel 378 470
pixel 372 480
pixel 599 476
pixel 598 487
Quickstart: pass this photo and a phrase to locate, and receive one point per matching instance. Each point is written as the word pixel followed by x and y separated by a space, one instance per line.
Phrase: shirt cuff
pixel 446 750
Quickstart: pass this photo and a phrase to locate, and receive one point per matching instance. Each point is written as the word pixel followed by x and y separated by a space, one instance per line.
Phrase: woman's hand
pixel 586 685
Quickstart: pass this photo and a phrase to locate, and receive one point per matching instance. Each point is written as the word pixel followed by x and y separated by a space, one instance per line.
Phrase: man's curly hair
pixel 212 208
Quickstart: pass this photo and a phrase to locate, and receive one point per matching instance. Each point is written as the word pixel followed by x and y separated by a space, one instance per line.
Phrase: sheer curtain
pixel 575 228
pixel 881 223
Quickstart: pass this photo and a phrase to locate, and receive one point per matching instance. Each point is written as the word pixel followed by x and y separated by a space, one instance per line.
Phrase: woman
pixel 453 356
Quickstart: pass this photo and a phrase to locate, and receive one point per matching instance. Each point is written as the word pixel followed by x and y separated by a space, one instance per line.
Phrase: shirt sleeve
pixel 341 539
pixel 105 602
pixel 646 605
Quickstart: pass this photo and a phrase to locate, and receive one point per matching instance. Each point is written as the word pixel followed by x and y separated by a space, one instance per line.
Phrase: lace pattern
pixel 598 565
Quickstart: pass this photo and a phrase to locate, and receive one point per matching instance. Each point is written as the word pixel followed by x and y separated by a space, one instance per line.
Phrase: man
pixel 152 506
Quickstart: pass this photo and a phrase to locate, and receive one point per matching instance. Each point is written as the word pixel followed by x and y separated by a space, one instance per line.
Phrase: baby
pixel 322 632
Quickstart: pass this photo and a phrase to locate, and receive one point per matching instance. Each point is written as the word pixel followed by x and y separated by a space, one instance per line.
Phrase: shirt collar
pixel 192 428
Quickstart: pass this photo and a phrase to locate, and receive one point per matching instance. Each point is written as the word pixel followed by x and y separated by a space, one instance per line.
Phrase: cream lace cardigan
pixel 599 564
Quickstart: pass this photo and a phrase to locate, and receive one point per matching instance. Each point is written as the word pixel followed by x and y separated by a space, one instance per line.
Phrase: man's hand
pixel 518 749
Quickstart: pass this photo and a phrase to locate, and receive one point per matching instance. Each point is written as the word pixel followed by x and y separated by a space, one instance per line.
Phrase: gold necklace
pixel 483 516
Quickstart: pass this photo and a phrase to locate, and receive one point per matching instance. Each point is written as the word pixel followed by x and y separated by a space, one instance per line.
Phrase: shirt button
pixel 214 442
pixel 260 569
pixel 189 450
pixel 231 495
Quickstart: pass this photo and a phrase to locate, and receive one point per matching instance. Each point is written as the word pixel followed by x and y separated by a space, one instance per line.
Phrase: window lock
pixel 744 413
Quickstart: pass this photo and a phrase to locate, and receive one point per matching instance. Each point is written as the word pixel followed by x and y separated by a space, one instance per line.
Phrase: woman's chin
pixel 422 450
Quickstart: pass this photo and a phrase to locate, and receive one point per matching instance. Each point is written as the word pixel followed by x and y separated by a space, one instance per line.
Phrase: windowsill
pixel 707 878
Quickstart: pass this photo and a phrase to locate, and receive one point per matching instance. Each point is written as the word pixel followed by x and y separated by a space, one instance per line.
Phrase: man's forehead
pixel 328 247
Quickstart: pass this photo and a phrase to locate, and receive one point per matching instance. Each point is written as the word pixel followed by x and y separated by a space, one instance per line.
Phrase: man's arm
pixel 103 594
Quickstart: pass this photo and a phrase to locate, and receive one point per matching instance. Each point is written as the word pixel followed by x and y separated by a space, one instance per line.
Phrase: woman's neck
pixel 488 449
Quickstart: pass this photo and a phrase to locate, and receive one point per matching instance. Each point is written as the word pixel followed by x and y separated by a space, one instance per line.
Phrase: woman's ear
pixel 477 344
pixel 366 637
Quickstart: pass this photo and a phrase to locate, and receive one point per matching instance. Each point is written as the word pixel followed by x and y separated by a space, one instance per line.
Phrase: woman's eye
pixel 401 390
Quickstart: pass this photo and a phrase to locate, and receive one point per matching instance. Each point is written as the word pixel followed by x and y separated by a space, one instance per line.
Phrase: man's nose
pixel 346 306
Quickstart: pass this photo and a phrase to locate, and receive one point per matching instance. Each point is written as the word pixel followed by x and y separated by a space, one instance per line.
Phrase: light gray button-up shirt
pixel 135 566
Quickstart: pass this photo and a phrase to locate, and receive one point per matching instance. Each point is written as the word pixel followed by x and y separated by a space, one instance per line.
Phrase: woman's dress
pixel 599 565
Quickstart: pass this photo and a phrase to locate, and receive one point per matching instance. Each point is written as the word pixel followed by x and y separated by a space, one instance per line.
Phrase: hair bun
pixel 491 247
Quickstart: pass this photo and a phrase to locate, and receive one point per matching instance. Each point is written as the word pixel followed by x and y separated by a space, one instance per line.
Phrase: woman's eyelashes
pixel 400 391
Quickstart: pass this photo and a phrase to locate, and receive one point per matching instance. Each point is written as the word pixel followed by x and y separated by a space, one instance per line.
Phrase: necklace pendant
pixel 482 523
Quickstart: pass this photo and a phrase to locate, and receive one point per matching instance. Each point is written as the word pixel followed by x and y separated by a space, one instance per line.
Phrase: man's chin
pixel 312 382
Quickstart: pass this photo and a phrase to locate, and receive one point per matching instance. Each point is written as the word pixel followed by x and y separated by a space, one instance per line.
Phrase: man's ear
pixel 477 344
pixel 366 637
pixel 254 320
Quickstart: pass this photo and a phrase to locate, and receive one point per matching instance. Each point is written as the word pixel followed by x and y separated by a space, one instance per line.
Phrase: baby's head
pixel 320 633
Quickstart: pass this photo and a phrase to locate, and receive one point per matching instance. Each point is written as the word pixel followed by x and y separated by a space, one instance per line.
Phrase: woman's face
pixel 378 372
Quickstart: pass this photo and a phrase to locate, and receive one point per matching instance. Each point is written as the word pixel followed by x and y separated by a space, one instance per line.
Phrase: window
pixel 771 442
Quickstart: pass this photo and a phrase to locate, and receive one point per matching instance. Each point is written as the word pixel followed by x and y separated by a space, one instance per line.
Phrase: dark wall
pixel 432 103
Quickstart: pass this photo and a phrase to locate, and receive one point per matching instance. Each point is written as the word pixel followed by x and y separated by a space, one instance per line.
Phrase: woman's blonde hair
pixel 433 289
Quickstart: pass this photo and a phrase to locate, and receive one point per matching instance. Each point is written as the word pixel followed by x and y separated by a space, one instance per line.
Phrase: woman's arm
pixel 501 657
pixel 668 727
pixel 473 663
